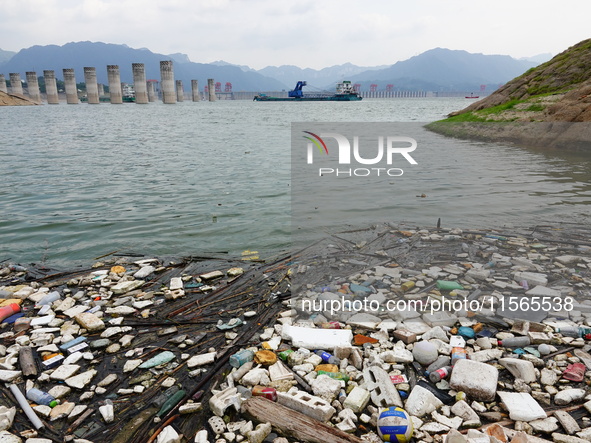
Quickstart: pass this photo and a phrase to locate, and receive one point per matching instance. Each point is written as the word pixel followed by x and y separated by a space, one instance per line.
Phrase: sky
pixel 305 33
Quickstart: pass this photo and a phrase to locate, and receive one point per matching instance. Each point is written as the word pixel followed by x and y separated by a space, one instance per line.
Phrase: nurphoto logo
pixel 388 148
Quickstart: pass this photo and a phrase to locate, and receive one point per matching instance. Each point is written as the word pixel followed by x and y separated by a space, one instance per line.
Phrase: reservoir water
pixel 81 181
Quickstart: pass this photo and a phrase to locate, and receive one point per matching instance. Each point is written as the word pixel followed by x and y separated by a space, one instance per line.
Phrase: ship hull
pixel 331 98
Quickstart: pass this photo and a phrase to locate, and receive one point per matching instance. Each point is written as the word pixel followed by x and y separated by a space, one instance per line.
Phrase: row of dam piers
pixel 144 91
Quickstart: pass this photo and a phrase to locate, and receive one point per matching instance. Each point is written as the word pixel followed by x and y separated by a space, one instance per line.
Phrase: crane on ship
pixel 297 91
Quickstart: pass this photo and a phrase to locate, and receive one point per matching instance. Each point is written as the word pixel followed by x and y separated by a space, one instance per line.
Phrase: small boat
pixel 472 96
pixel 344 93
pixel 127 93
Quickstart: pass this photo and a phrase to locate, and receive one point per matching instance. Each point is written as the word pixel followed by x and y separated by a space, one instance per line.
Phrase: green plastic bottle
pixel 171 403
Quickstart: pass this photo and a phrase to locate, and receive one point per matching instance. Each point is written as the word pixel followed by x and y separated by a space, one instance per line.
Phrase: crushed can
pixel 263 391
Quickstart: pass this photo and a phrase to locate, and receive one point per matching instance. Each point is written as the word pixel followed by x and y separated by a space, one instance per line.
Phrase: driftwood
pixel 291 423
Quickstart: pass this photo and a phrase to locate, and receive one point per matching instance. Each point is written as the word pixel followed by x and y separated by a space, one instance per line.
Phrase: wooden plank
pixel 291 423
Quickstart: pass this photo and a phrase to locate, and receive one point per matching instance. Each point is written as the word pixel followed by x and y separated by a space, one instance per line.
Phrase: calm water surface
pixel 81 181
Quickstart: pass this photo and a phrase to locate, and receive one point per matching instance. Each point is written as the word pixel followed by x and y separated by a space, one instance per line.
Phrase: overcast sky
pixel 306 33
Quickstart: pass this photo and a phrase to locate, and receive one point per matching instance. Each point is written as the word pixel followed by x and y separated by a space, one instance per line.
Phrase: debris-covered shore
pixel 313 346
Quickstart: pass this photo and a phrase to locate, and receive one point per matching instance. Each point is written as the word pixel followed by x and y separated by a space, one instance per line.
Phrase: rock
pixel 5 436
pixel 548 377
pixel 64 371
pixel 8 376
pixel 126 286
pixel 477 380
pixel 561 438
pixel 397 355
pixel 364 320
pixel 81 380
pixel 421 402
pixel 259 433
pixel 325 387
pixel 434 428
pixel 569 396
pixel 468 415
pixel 61 411
pixel 6 417
pixel 425 352
pixel 521 406
pixel 89 321
pixel 454 436
pixel 520 369
pixel 568 423
pixel 357 399
pixel 168 435
pixel 200 360
pixel 546 426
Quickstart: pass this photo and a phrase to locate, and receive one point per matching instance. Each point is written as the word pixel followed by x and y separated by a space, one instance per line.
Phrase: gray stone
pixel 545 426
pixel 561 438
pixel 569 396
pixel 521 406
pixel 568 423
pixel 548 377
pixel 477 380
pixel 520 369
pixel 421 402
pixel 463 410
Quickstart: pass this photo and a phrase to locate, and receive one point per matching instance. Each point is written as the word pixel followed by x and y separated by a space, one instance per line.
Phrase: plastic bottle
pixel 241 357
pixel 161 399
pixel 7 311
pixel 328 358
pixel 515 342
pixel 171 403
pixel 49 298
pixel 335 375
pixel 457 354
pixel 440 374
pixel 42 398
pixel 284 354
pixel 442 361
pixel 575 331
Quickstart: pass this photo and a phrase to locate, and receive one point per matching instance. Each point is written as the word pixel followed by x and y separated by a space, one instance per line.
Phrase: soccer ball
pixel 394 425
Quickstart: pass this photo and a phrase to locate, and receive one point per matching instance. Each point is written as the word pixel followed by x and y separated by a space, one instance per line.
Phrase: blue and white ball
pixel 395 425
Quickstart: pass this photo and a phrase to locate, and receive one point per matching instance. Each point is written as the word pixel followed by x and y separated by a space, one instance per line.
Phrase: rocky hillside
pixel 556 91
pixel 14 100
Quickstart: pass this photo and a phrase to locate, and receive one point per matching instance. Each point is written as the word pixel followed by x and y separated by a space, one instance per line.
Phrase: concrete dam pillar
pixel 51 88
pixel 3 84
pixel 180 93
pixel 211 89
pixel 114 84
pixel 92 92
pixel 152 91
pixel 71 90
pixel 167 82
pixel 16 87
pixel 195 90
pixel 139 83
pixel 33 87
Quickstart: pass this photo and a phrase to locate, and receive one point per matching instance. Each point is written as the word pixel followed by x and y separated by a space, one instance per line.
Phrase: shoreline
pixel 195 314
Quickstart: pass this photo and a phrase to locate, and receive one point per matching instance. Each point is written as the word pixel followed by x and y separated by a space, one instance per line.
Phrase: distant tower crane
pixel 373 87
pixel 218 87
pixel 389 88
pixel 228 87
pixel 356 87
pixel 482 88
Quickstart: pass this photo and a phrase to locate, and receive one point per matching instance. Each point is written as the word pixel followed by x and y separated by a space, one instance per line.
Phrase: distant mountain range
pixel 434 70
pixel 80 54
pixel 442 69
pixel 6 55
